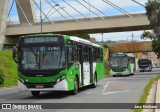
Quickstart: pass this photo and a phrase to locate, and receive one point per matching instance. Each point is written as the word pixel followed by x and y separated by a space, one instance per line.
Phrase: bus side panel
pixel 71 74
pixel 129 68
pixel 132 68
pixel 100 70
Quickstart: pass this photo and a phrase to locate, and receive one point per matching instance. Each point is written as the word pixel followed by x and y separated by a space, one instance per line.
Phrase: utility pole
pixel 41 15
pixel 89 10
pixel 132 37
pixel 102 37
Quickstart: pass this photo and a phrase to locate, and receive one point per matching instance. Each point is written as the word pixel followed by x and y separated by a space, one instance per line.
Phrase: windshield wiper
pixel 60 58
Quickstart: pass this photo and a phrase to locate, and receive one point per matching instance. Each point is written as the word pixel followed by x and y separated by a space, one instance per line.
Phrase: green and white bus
pixel 122 64
pixel 49 62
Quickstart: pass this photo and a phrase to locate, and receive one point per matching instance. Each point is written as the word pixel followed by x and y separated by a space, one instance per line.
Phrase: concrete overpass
pixel 92 25
pixel 25 8
pixel 131 47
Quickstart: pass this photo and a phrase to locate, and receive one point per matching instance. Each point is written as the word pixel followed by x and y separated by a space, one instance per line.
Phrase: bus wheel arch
pixel 77 80
pixel 76 85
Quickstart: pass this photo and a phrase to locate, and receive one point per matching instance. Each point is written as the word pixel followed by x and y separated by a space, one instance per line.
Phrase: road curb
pixel 11 87
pixel 158 95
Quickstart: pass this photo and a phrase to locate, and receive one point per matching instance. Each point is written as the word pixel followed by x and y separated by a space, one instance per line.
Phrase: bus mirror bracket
pixel 15 53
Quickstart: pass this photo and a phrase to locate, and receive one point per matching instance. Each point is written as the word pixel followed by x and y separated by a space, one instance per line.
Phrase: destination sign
pixel 115 55
pixel 40 39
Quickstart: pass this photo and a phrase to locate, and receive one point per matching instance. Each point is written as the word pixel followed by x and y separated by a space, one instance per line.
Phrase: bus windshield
pixel 143 61
pixel 40 58
pixel 119 62
pixel 114 61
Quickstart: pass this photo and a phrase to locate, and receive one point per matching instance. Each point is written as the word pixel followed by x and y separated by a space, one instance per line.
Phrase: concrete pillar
pixel 4 7
pixel 28 8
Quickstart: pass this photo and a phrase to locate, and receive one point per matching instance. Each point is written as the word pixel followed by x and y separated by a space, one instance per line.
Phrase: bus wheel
pixel 76 87
pixel 35 93
pixel 132 74
pixel 95 82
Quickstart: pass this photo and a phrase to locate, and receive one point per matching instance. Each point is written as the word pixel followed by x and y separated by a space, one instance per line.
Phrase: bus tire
pixel 76 86
pixel 35 93
pixel 132 74
pixel 95 82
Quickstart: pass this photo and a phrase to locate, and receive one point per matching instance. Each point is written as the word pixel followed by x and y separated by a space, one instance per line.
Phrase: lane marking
pixel 107 84
pixel 103 92
pixel 115 92
pixel 105 87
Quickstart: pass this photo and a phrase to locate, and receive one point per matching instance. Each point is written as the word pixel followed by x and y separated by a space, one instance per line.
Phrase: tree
pixel 153 14
pixel 84 36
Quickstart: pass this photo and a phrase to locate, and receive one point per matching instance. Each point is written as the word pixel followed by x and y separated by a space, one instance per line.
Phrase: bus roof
pixel 77 39
pixel 74 38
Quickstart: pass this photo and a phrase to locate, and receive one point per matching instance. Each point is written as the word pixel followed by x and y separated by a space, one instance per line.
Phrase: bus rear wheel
pixel 95 82
pixel 76 87
pixel 35 93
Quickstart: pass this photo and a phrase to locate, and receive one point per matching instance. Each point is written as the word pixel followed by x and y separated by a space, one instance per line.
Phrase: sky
pixel 103 10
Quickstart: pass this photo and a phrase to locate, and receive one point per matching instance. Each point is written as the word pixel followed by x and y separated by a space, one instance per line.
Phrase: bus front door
pixel 81 64
pixel 91 64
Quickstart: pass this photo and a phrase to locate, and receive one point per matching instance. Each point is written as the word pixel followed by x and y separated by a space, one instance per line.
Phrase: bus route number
pixel 53 48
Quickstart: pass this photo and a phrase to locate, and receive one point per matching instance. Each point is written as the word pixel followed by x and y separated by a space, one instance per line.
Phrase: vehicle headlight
pixel 61 78
pixel 58 80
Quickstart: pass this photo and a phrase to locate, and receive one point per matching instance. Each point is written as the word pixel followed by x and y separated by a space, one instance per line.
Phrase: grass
pixel 146 91
pixel 9 68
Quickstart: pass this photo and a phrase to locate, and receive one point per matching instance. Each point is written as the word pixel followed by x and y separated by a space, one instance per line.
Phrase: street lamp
pixel 56 10
pixel 51 10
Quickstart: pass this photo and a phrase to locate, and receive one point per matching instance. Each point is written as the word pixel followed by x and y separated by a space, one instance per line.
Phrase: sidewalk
pixel 158 95
pixel 153 96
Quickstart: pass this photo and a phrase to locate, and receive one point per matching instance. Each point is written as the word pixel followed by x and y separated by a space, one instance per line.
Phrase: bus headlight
pixel 61 78
pixel 58 80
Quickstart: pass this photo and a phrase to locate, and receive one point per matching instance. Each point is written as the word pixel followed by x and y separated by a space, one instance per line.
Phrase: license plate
pixel 39 86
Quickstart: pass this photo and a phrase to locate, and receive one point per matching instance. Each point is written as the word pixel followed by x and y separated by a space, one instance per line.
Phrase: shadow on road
pixel 57 94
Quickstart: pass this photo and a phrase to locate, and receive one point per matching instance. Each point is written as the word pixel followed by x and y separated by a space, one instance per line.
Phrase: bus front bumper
pixel 143 68
pixel 61 86
pixel 119 73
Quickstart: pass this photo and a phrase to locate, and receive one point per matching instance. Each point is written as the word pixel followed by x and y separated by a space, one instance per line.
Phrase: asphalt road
pixel 126 89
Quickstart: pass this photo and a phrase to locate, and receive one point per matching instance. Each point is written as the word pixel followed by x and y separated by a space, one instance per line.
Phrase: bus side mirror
pixel 14 54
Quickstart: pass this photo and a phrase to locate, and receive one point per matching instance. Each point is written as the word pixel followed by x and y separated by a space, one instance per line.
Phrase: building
pixel 92 40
